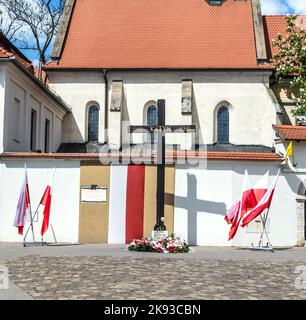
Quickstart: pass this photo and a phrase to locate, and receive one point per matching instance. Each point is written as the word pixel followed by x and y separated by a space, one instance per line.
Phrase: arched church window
pixel 223 125
pixel 93 124
pixel 152 120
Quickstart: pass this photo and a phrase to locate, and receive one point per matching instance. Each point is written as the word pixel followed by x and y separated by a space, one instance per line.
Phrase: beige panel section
pixel 169 198
pixel 150 199
pixel 93 227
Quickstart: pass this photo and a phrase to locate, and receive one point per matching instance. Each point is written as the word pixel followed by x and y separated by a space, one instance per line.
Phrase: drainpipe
pixel 106 105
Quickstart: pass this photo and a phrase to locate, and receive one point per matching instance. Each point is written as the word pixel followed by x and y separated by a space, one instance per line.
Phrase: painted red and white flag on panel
pixel 248 202
pixel 262 205
pixel 23 205
pixel 126 208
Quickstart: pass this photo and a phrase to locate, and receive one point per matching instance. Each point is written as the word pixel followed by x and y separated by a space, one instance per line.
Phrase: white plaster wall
pixel 299 152
pixel 252 111
pixel 2 101
pixel 299 149
pixel 201 194
pixel 80 90
pixel 217 186
pixel 251 115
pixel 30 95
pixel 65 198
pixel 57 131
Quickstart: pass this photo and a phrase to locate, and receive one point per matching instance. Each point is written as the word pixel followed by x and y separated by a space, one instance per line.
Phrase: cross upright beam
pixel 161 129
pixel 161 151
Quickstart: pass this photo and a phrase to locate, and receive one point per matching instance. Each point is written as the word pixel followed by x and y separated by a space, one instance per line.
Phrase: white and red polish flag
pixel 261 187
pixel 46 202
pixel 232 211
pixel 262 205
pixel 23 205
pixel 248 202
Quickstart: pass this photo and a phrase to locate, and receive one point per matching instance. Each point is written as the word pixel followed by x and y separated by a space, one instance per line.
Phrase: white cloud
pixel 35 62
pixel 283 6
pixel 297 6
pixel 275 6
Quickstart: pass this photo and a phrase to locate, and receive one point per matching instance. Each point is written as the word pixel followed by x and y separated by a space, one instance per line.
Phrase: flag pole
pixel 29 227
pixel 264 219
pixel 30 207
pixel 53 233
pixel 264 230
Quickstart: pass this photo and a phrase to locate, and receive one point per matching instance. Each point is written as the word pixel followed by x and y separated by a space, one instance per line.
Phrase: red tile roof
pixel 288 132
pixel 8 50
pixel 273 25
pixel 4 53
pixel 159 34
pixel 175 155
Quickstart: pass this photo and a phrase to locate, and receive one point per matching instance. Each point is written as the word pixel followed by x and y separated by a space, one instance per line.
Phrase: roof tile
pixel 159 34
pixel 288 132
pixel 252 156
pixel 273 25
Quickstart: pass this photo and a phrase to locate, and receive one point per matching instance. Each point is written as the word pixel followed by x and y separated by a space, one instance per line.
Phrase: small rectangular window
pixel 47 136
pixel 215 2
pixel 33 129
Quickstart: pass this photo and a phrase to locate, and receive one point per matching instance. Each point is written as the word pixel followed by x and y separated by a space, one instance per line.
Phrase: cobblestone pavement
pixel 127 277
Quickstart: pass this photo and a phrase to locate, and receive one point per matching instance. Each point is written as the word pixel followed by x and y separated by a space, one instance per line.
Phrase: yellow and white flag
pixel 289 151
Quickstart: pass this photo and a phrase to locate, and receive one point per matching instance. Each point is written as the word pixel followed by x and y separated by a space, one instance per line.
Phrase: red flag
pixel 248 202
pixel 46 201
pixel 263 204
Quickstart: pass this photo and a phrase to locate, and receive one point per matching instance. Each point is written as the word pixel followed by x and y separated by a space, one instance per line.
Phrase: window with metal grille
pixel 223 125
pixel 152 120
pixel 47 135
pixel 33 129
pixel 93 124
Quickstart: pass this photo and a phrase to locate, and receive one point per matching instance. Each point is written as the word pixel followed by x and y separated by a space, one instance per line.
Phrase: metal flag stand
pixel 264 218
pixel 32 217
pixel 24 242
pixel 261 246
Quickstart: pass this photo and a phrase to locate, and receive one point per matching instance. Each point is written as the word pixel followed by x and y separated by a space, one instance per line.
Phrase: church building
pixel 112 61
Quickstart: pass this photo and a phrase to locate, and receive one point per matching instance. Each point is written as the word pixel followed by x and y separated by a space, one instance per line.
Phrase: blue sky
pixel 268 7
pixel 283 6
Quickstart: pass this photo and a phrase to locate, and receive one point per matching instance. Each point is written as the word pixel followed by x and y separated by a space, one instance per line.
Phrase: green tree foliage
pixel 290 59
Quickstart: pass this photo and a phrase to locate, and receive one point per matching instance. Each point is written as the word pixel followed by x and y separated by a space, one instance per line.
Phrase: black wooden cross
pixel 161 129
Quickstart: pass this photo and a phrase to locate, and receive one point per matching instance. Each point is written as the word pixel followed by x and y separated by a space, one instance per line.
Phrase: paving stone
pixel 108 277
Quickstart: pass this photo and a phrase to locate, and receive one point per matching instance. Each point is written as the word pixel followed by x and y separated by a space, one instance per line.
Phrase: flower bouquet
pixel 170 244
